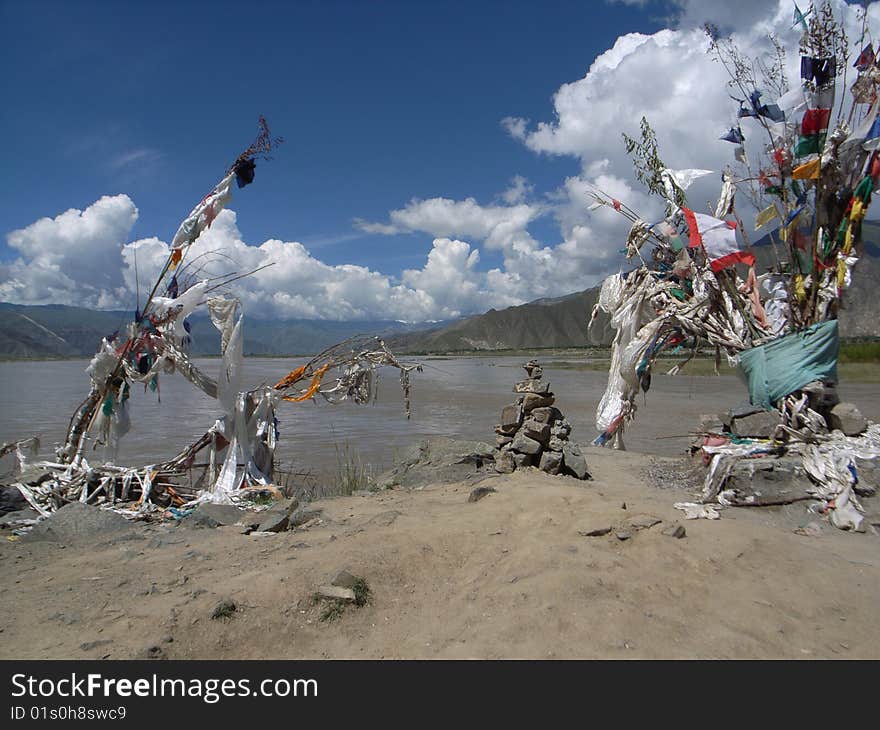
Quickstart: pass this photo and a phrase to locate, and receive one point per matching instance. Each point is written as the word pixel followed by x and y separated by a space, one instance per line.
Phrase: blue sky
pixel 380 104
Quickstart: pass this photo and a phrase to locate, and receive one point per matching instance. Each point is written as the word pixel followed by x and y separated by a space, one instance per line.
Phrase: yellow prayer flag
pixel 807 171
pixel 766 215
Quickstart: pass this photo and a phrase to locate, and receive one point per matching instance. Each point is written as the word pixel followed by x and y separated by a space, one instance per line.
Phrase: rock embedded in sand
pixel 677 531
pixel 479 492
pixel 336 593
pixel 224 608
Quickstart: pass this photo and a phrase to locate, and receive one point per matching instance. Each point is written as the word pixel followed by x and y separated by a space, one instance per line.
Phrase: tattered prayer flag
pixel 807 171
pixel 735 135
pixel 766 215
pixel 799 18
pixel 811 145
pixel 616 204
pixel 872 138
pixel 718 239
pixel 815 121
pixel 866 58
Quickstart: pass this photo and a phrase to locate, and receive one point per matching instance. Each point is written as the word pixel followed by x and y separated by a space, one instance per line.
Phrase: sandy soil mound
pixel 514 574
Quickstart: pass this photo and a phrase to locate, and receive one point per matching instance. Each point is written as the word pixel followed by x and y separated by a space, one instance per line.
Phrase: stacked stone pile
pixel 533 432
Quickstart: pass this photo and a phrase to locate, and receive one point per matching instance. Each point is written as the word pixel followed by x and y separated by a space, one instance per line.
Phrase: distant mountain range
pixel 55 330
pixel 562 322
pixel 60 331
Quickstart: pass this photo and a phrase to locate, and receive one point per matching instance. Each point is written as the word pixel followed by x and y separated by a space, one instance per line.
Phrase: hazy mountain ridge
pixel 562 322
pixel 61 331
pixel 28 332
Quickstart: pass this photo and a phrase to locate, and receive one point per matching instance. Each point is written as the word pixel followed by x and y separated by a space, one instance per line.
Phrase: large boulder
pixel 533 400
pixel 81 524
pixel 551 462
pixel 847 418
pixel 574 461
pixel 439 460
pixel 756 425
pixel 504 463
pixel 536 430
pixel 525 445
pixel 511 418
pixel 548 414
pixel 757 482
pixel 532 385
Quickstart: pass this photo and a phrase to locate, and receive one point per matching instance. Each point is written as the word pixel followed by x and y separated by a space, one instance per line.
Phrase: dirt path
pixel 507 576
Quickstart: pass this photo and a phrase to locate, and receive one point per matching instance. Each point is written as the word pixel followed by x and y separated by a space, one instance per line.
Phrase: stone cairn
pixel 533 432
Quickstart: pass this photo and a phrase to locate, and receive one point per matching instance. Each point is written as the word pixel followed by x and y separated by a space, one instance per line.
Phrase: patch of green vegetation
pixel 332 611
pixel 362 593
pixel 860 352
pixel 352 474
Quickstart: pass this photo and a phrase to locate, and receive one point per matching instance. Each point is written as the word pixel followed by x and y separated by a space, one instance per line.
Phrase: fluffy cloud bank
pixel 84 257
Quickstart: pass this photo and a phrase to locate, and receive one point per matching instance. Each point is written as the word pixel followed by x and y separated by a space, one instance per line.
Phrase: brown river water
pixel 458 397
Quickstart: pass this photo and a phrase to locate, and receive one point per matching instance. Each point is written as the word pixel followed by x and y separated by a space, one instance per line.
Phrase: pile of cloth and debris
pixel 234 460
pixel 534 432
pixel 810 173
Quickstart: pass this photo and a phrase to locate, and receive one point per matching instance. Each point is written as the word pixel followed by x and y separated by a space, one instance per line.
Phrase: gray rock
pixel 533 369
pixel 561 429
pixel 19 517
pixel 441 461
pixel 847 418
pixel 536 430
pixel 756 425
pixel 80 524
pixel 303 515
pixel 532 385
pixel 89 645
pixel 574 462
pixel 643 522
pixel 556 444
pixel 224 608
pixel 479 492
pixel 711 423
pixel 525 445
pixel 11 500
pixel 214 515
pixel 551 461
pixel 154 651
pixel 548 414
pixel 623 535
pixel 522 460
pixel 755 482
pixel 283 507
pixel 336 593
pixel 741 411
pixel 274 522
pixel 344 579
pixel 598 532
pixel 675 530
pixel 533 400
pixel 868 471
pixel 504 463
pixel 822 395
pixel 511 417
pixel 503 440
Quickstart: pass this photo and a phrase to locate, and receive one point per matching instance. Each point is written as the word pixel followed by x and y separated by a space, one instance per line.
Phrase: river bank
pixel 514 575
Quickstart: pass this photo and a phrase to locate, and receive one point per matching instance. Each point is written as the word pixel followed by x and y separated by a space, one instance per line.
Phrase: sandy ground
pixel 507 576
